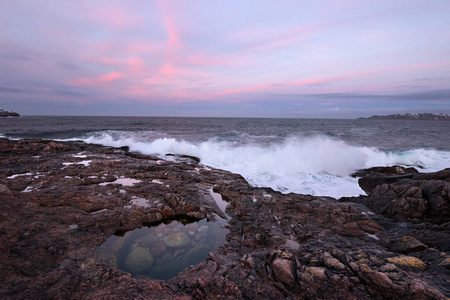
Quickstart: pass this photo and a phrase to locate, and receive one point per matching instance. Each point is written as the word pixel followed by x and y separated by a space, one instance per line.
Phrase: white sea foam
pixel 84 163
pixel 317 165
pixel 18 175
pixel 28 189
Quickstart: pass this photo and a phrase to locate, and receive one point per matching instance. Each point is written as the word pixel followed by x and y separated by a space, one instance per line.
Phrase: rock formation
pixel 7 113
pixel 409 196
pixel 60 201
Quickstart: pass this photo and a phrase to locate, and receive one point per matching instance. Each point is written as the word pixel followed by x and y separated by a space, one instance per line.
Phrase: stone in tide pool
pixel 158 248
pixel 138 261
pixel 203 229
pixel 177 240
pixel 191 228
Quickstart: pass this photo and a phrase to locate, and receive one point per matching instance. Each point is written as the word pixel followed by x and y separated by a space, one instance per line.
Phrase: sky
pixel 252 58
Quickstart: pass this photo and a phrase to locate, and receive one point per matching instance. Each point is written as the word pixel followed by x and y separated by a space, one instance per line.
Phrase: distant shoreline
pixel 407 116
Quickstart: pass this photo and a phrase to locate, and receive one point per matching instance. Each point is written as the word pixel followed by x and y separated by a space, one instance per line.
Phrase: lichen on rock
pixel 408 262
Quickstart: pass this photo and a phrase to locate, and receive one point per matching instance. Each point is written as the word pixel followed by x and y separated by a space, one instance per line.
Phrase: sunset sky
pixel 307 59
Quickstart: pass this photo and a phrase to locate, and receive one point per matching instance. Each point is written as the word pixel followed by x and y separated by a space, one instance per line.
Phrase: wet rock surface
pixel 424 196
pixel 60 201
pixel 372 177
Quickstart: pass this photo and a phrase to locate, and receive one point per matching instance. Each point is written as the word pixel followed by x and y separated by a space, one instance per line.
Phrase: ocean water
pixel 307 156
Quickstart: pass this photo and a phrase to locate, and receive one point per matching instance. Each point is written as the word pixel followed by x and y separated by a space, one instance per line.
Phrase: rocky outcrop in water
pixel 407 116
pixel 408 196
pixel 61 201
pixel 372 177
pixel 7 113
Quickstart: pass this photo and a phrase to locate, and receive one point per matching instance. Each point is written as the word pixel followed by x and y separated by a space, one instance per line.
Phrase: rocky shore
pixel 60 201
pixel 8 113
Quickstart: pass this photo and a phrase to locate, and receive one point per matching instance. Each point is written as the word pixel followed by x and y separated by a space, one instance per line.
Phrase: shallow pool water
pixel 162 251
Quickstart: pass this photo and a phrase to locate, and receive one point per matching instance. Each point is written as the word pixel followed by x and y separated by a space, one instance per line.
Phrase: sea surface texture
pixel 306 156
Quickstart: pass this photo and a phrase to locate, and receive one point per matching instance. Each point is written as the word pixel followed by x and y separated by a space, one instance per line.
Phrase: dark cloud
pixel 427 95
pixel 416 87
pixel 67 65
pixel 54 91
pixel 14 90
pixel 430 95
pixel 432 79
pixel 9 53
pixel 69 93
pixel 15 57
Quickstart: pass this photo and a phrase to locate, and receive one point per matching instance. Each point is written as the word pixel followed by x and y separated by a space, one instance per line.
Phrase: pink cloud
pixel 139 47
pixel 244 89
pixel 322 80
pixel 205 60
pixel 116 17
pixel 173 40
pixel 167 69
pixel 157 66
pixel 272 39
pixel 135 63
pixel 96 81
pixel 327 79
pixel 403 68
pixel 286 84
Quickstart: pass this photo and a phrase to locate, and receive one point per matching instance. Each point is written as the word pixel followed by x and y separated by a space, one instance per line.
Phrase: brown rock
pixel 4 191
pixel 405 244
pixel 332 263
pixel 283 270
pixel 158 248
pixel 316 273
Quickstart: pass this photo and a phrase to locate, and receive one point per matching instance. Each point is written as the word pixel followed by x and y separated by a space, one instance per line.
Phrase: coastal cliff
pixel 61 200
pixel 423 116
pixel 7 113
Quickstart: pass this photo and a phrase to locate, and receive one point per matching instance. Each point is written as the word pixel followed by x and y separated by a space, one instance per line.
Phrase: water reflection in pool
pixel 162 251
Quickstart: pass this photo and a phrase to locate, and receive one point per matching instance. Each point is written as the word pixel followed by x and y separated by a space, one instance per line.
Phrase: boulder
pixel 4 191
pixel 138 261
pixel 177 240
pixel 405 244
pixel 283 270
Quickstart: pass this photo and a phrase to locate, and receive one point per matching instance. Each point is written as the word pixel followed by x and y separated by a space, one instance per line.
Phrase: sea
pixel 306 156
